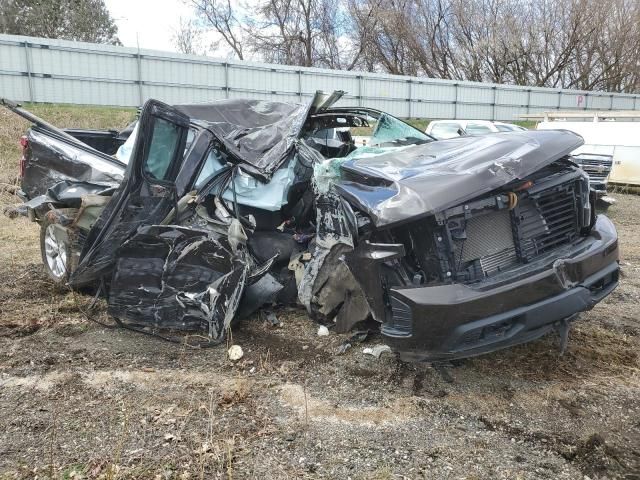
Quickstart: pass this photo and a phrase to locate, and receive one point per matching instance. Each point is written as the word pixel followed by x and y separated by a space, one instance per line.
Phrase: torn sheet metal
pixel 423 179
pixel 327 288
pixel 258 132
pixel 259 294
pixel 364 263
pixel 53 161
pixel 121 217
pixel 172 277
pixel 66 193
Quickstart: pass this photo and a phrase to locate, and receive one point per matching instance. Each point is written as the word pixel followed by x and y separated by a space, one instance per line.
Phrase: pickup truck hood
pixel 421 180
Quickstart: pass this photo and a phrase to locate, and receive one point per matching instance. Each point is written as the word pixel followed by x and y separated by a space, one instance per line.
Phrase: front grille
pixel 596 166
pixel 546 220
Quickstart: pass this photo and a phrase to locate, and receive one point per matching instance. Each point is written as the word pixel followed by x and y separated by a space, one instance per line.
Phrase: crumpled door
pixel 171 277
pixel 147 193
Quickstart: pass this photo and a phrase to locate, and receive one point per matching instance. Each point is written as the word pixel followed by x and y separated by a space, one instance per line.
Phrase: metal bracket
pixel 563 327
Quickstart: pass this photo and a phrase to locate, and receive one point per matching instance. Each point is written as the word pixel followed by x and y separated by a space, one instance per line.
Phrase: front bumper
pixel 455 321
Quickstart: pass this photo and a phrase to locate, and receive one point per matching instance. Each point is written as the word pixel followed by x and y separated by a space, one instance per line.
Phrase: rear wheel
pixel 55 245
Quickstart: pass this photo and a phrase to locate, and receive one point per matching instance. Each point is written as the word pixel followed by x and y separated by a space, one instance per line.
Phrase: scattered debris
pixel 377 350
pixel 270 317
pixel 235 353
pixel 357 337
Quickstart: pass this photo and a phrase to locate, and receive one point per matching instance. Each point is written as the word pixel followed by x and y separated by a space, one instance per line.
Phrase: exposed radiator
pixel 489 240
pixel 488 243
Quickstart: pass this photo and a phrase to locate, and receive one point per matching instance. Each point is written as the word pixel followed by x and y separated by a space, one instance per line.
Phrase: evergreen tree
pixel 82 20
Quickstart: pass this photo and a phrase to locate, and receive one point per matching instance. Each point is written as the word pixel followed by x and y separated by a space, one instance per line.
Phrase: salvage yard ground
pixel 81 400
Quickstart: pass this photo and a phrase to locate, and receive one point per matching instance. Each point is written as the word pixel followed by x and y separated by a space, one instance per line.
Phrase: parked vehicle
pixel 611 150
pixel 598 167
pixel 445 129
pixel 455 247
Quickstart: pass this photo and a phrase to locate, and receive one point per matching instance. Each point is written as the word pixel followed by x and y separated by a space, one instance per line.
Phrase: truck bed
pixel 82 159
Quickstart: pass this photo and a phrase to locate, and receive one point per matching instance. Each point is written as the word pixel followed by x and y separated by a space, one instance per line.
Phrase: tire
pixel 56 250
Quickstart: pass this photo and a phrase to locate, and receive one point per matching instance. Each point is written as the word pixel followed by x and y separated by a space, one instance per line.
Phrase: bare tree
pixel 588 44
pixel 284 32
pixel 222 18
pixel 187 37
pixel 305 32
pixel 608 59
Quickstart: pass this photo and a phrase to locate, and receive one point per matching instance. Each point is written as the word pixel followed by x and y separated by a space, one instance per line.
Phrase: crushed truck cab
pixel 455 247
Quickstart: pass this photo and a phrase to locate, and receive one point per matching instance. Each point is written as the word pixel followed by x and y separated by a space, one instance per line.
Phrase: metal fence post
pixel 139 60
pixel 559 100
pixel 300 85
pixel 455 102
pixel 528 101
pixel 410 99
pixel 226 80
pixel 27 56
pixel 359 90
pixel 611 102
pixel 493 105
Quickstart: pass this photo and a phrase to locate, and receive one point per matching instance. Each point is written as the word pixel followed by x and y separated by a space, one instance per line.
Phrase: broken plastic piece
pixel 323 331
pixel 235 353
pixel 377 350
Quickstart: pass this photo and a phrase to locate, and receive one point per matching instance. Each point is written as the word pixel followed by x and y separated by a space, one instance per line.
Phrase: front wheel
pixel 55 245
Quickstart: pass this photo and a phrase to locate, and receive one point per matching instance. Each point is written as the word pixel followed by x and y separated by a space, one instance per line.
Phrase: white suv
pixel 443 129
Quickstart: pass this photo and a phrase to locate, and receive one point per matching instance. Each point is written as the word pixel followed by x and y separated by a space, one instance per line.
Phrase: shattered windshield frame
pixel 381 128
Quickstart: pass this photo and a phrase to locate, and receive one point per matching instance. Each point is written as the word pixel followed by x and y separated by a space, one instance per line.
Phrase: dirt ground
pixel 81 400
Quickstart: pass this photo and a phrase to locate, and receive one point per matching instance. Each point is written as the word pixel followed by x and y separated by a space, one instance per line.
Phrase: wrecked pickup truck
pixel 208 212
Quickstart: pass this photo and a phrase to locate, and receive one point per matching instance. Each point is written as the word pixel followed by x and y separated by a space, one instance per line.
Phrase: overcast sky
pixel 154 21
